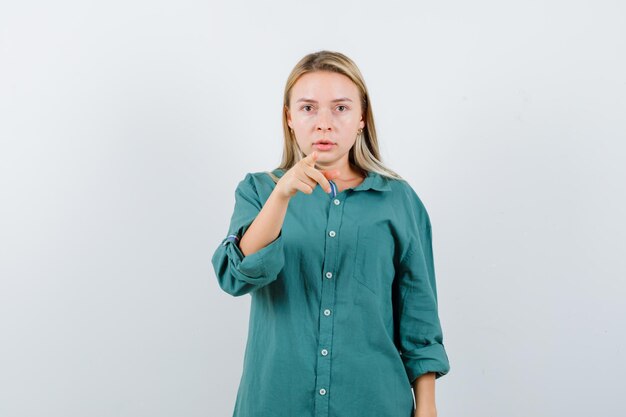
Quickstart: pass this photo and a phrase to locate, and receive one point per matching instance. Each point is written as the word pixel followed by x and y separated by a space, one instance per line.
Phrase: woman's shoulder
pixel 254 176
pixel 265 176
pixel 260 182
pixel 399 186
pixel 405 195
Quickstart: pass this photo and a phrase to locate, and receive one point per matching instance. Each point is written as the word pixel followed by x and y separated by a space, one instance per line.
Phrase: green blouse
pixel 343 313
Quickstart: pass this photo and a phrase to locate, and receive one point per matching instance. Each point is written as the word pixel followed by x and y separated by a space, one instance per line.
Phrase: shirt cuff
pixel 260 267
pixel 430 358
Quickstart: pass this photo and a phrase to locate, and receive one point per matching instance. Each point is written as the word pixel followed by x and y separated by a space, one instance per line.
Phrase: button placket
pixel 327 304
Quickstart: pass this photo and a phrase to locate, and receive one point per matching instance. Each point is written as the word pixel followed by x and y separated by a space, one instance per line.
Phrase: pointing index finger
pixel 310 159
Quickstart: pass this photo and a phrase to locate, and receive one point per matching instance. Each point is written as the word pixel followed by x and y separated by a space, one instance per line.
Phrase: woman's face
pixel 325 106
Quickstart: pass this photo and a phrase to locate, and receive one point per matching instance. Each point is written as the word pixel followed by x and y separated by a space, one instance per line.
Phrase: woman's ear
pixel 288 114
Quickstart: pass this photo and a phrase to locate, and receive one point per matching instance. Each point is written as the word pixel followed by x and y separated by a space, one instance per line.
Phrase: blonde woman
pixel 335 250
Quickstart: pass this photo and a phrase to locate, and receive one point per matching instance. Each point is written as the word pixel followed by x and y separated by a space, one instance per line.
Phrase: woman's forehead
pixel 324 86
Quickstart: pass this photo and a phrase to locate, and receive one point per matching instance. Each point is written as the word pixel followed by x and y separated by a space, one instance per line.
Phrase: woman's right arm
pixel 267 225
pixel 242 270
pixel 252 255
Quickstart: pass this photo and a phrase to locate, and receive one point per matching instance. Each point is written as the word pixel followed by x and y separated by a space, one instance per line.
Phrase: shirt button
pixel 329 275
pixel 322 391
pixel 331 233
pixel 336 201
pixel 327 312
pixel 324 352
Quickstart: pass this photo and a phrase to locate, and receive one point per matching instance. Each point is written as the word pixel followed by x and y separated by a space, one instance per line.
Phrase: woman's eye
pixel 306 108
pixel 342 108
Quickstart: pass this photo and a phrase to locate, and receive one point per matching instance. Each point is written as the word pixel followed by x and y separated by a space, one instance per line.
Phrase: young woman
pixel 344 317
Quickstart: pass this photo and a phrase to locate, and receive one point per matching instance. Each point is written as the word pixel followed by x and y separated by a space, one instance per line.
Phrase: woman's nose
pixel 323 121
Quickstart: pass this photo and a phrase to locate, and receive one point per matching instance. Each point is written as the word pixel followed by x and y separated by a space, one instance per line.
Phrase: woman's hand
pixel 303 176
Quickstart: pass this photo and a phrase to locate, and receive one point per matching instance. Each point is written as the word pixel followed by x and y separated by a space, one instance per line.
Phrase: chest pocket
pixel 373 262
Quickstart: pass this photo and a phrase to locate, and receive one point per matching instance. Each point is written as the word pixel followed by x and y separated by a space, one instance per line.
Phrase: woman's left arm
pixel 420 335
pixel 424 389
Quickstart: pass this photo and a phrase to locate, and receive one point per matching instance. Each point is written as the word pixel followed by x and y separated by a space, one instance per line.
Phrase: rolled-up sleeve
pixel 419 329
pixel 238 274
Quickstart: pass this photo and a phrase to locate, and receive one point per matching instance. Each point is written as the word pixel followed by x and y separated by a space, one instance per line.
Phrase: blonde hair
pixel 364 154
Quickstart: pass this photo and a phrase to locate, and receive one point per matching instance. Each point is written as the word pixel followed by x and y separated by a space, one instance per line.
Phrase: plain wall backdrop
pixel 125 127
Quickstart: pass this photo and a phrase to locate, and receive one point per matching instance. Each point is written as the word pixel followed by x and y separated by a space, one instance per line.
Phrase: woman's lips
pixel 324 146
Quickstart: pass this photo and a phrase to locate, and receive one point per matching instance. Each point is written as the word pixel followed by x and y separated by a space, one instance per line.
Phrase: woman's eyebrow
pixel 308 100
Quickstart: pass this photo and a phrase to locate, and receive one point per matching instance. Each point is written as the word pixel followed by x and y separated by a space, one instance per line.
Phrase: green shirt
pixel 343 313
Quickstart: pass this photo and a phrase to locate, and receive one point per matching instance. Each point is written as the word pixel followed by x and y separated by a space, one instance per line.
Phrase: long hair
pixel 364 155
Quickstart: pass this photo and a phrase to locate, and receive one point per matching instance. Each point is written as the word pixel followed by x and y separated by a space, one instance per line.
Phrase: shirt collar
pixel 373 181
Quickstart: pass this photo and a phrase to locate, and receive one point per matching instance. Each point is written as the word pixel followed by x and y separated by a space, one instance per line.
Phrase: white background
pixel 125 127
